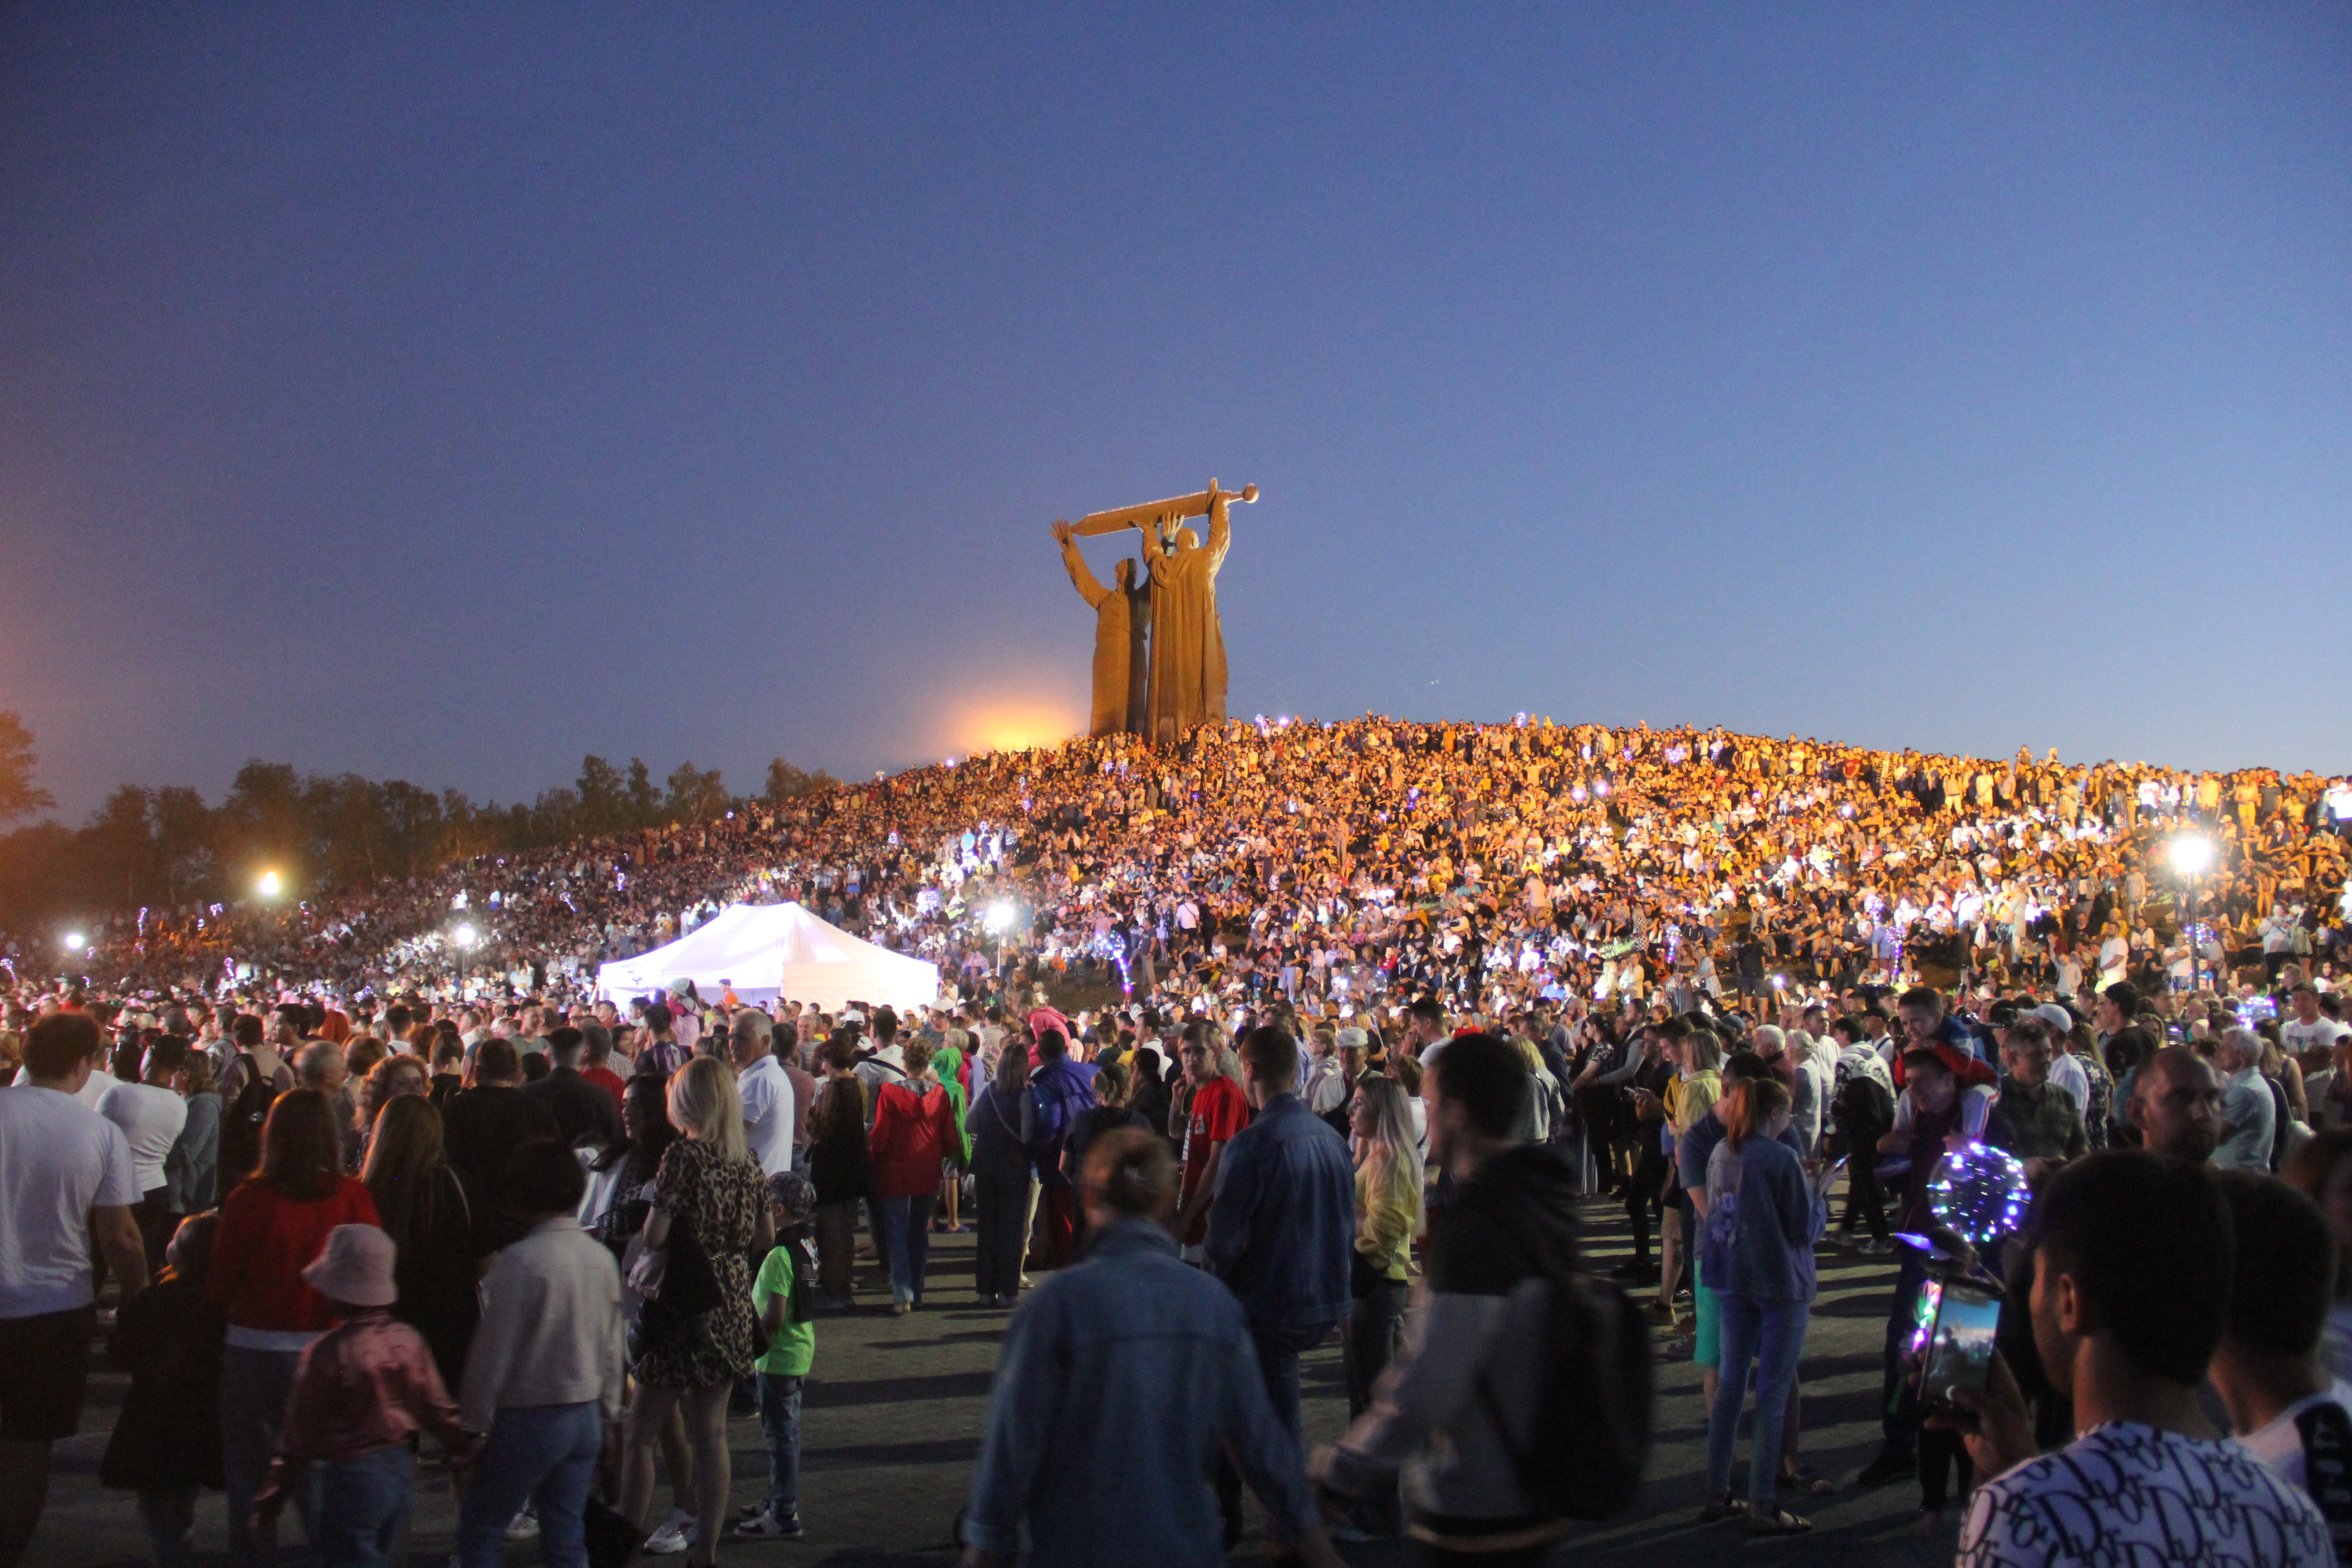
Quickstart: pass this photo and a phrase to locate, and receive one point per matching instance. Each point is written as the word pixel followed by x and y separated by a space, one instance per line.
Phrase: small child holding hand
pixel 362 1391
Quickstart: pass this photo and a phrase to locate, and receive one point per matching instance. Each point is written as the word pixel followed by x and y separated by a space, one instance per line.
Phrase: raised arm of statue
pixel 1159 557
pixel 1221 527
pixel 1092 592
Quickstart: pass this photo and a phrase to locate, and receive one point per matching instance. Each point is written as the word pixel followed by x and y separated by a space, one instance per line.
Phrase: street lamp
pixel 74 942
pixel 269 884
pixel 2191 854
pixel 464 936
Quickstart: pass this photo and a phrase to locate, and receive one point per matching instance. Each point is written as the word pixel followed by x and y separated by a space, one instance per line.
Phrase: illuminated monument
pixel 1160 652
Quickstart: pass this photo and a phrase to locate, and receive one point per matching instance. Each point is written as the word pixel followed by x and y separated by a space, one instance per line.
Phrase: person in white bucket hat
pixel 362 1391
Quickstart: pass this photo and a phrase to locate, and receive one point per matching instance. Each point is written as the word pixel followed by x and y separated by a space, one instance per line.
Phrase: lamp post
pixel 2192 853
pixel 464 936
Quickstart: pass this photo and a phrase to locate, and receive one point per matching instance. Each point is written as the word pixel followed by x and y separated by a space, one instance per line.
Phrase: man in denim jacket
pixel 1283 1220
pixel 1121 1380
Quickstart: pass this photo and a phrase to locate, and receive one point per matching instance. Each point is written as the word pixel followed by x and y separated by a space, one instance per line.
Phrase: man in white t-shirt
pixel 2131 1294
pixel 2310 1029
pixel 2284 1408
pixel 151 1115
pixel 2066 1070
pixel 767 1093
pixel 64 1176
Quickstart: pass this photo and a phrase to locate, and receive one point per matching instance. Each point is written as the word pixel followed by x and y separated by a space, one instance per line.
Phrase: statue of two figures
pixel 1160 652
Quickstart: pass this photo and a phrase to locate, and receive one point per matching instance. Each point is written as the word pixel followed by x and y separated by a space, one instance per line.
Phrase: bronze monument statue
pixel 1180 685
pixel 1122 621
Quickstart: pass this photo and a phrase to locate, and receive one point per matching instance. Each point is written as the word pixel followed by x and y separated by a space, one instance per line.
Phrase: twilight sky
pixel 446 391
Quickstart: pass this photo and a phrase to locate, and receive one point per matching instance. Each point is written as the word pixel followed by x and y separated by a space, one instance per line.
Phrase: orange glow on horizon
pixel 1014 727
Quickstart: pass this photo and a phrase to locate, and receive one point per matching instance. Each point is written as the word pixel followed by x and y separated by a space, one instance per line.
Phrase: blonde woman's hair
pixel 703 1101
pixel 1705 1051
pixel 1389 1111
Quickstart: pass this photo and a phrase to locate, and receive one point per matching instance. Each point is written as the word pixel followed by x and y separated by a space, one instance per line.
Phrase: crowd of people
pixel 1360 864
pixel 1357 1016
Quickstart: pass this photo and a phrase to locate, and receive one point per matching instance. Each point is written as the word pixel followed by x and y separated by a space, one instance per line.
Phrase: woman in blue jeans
pixel 543 1373
pixel 1763 1216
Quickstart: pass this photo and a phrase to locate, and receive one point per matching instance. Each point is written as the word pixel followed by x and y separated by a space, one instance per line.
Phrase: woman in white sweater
pixel 544 1374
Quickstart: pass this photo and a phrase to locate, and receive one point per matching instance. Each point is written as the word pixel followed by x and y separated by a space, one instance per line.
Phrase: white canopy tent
pixel 767 952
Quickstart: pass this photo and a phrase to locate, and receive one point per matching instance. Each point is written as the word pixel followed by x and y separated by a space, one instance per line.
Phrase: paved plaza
pixel 892 1423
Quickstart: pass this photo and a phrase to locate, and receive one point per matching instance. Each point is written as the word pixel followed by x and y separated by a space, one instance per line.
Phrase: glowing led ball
pixel 1979 1194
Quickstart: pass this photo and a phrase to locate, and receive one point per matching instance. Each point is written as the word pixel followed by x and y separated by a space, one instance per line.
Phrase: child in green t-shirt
pixel 784 1295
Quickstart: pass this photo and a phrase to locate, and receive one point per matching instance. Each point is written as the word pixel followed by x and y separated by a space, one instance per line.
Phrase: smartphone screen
pixel 1959 1349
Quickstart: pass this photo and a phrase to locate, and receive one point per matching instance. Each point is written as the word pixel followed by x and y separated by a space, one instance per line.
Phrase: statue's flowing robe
pixel 1187 646
pixel 1122 620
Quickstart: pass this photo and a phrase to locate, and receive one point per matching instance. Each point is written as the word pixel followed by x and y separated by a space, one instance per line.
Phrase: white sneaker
pixel 674 1535
pixel 523 1526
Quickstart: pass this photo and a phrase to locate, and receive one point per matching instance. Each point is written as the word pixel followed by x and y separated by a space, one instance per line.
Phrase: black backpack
pixel 1591 1441
pixel 240 1128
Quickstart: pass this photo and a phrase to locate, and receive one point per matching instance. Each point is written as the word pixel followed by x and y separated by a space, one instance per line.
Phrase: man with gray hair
pixel 2249 1114
pixel 767 1092
pixel 319 1064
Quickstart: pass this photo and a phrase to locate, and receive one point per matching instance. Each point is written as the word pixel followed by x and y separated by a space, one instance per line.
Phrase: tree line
pixel 163 848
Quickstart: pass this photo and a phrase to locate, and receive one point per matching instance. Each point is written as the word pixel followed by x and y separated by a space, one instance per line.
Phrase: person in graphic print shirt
pixel 2131 1294
pixel 1219 1110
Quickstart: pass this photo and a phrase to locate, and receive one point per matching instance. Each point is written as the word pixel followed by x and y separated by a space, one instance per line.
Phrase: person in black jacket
pixel 167 1442
pixel 583 1112
pixel 480 1125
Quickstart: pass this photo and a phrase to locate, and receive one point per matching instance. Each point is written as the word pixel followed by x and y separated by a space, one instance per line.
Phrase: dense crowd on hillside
pixel 1369 1010
pixel 1344 862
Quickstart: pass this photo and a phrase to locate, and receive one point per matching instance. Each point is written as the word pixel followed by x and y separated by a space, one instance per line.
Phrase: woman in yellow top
pixel 1692 1095
pixel 1389 1177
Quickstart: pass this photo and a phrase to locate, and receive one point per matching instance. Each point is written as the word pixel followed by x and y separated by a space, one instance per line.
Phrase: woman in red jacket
pixel 273 1226
pixel 914 1131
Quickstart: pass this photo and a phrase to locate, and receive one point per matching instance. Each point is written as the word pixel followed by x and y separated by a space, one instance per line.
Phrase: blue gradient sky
pixel 444 393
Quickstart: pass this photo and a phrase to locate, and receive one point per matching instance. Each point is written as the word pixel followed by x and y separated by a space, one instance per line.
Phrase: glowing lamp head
pixel 74 942
pixel 2192 853
pixel 1000 918
pixel 269 884
pixel 464 936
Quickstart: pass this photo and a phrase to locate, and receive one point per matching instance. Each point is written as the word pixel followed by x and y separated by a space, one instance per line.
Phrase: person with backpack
pixel 1763 1215
pixel 255 1076
pixel 1495 1453
pixel 1057 1095
pixel 1000 1181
